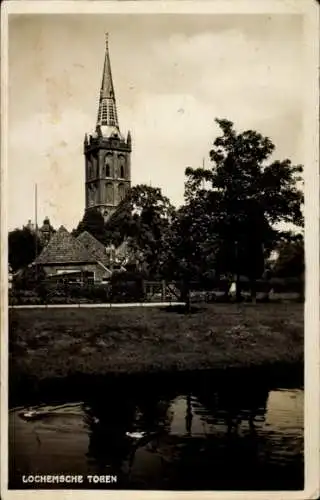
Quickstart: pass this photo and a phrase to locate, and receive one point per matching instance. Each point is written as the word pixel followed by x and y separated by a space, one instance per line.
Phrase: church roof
pixel 63 248
pixel 107 120
pixel 94 246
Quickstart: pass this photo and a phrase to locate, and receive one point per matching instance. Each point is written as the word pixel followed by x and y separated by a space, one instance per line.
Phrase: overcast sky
pixel 172 75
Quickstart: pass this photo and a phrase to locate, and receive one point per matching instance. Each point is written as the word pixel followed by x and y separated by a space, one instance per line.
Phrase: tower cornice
pixel 105 144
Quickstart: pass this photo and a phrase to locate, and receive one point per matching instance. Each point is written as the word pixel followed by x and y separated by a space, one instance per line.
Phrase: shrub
pixel 76 293
pixel 127 287
pixel 287 285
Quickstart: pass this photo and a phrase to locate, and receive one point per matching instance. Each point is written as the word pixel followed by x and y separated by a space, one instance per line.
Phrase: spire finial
pixel 107 39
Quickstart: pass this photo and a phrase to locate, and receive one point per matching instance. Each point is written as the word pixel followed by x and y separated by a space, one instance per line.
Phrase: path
pixel 93 306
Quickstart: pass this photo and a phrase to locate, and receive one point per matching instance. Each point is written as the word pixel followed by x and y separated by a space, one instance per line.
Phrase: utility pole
pixel 36 227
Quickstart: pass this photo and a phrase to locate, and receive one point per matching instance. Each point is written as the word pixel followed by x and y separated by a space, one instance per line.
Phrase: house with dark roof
pixel 94 247
pixel 114 258
pixel 68 258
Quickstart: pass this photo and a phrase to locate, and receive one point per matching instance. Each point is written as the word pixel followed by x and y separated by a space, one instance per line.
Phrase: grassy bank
pixel 59 343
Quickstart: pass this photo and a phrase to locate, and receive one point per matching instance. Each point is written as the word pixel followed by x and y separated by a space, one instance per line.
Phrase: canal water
pixel 215 431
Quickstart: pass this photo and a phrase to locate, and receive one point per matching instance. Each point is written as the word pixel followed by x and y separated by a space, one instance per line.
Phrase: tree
pixel 290 261
pixel 31 278
pixel 142 219
pixel 246 198
pixel 22 247
pixel 93 222
pixel 190 246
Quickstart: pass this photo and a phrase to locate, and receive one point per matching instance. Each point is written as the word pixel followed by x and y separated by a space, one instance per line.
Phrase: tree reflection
pixel 189 416
pixel 108 422
pixel 121 413
pixel 125 418
pixel 234 402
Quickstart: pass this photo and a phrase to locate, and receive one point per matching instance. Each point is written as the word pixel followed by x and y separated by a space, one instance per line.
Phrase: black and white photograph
pixel 160 229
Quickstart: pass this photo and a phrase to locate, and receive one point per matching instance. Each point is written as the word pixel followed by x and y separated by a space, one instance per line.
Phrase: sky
pixel 173 75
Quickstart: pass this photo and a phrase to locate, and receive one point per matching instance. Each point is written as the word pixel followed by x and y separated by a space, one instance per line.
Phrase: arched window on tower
pixel 95 167
pixel 91 195
pixel 122 162
pixel 109 193
pixel 121 191
pixel 89 168
pixel 108 163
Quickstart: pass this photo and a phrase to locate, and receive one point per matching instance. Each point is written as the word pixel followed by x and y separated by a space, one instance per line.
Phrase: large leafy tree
pixel 245 196
pixel 93 222
pixel 190 246
pixel 290 261
pixel 142 219
pixel 23 245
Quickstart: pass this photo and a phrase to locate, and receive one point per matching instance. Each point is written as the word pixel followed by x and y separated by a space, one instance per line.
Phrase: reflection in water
pixel 189 416
pixel 194 434
pixel 110 421
pixel 234 404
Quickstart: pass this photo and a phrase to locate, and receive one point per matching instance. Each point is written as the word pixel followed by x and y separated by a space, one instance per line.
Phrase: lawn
pixel 49 343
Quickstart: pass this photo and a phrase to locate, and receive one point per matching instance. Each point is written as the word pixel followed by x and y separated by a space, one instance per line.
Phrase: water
pixel 210 432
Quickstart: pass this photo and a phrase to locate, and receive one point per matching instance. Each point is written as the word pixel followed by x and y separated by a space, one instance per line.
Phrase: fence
pixel 145 292
pixel 117 293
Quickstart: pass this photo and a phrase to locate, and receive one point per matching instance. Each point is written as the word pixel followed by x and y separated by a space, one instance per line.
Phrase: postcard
pixel 160 249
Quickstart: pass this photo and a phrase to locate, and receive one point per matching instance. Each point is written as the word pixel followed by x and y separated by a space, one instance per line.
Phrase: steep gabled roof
pixel 94 247
pixel 63 248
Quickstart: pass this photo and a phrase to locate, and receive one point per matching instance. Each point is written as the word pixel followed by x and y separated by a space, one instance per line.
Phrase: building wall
pixel 99 272
pixel 108 173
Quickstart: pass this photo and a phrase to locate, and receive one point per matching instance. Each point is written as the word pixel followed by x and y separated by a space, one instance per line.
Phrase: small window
pixel 107 170
pixel 91 196
pixel 89 169
pixel 121 192
pixel 109 194
pixel 121 172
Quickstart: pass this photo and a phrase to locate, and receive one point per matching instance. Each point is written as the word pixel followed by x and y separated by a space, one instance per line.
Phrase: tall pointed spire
pixel 107 152
pixel 107 119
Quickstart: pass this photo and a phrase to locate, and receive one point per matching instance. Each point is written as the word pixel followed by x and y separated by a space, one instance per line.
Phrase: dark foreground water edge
pixel 210 430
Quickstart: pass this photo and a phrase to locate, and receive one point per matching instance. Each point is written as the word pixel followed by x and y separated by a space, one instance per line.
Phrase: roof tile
pixel 63 248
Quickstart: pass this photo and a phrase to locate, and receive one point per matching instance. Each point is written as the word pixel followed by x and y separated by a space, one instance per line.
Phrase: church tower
pixel 107 152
